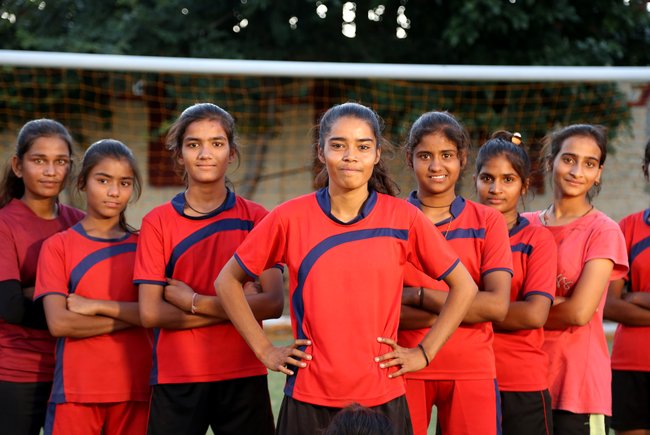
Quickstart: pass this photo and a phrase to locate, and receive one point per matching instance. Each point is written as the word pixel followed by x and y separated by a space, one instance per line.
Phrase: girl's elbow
pixel 147 317
pixel 57 328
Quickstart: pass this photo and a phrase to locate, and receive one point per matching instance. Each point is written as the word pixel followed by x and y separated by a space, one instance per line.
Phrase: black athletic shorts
pixel 231 407
pixel 300 418
pixel 569 423
pixel 23 406
pixel 528 413
pixel 630 400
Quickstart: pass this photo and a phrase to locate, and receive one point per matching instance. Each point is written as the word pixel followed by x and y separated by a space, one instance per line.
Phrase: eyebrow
pixel 576 156
pixel 341 138
pixel 191 138
pixel 58 156
pixel 104 174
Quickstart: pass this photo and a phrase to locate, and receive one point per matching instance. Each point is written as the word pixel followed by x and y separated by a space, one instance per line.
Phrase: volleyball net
pixel 276 112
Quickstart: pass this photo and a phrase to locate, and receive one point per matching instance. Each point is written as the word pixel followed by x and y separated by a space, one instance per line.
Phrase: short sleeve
pixel 149 265
pixel 9 267
pixel 51 271
pixel 265 246
pixel 607 242
pixel 541 267
pixel 428 250
pixel 627 229
pixel 496 255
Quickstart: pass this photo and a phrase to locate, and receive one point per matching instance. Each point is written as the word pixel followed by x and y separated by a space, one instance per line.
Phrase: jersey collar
pixel 522 223
pixel 80 229
pixel 646 216
pixel 178 202
pixel 323 198
pixel 456 208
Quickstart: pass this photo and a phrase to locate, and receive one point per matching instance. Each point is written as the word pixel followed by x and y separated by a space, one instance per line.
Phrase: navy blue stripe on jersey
pixel 153 376
pixel 638 248
pixel 498 269
pixel 524 248
pixel 455 208
pixel 308 263
pixel 465 233
pixel 540 293
pixel 244 268
pixel 204 233
pixel 58 391
pixel 96 257
pixel 323 198
pixel 448 271
pixel 149 281
pixel 646 216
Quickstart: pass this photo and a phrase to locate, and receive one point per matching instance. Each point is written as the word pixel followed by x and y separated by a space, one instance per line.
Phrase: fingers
pixel 389 341
pixel 301 342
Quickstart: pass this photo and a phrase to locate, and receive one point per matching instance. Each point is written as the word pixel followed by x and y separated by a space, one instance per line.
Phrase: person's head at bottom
pixel 359 420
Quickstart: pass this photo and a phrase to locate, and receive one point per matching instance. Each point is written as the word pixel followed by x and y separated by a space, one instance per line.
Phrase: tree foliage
pixel 513 32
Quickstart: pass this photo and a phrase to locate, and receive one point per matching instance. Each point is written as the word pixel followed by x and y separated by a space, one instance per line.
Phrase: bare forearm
pixel 168 316
pixel 640 299
pixel 125 311
pixel 523 315
pixel 626 313
pixel 68 324
pixel 415 318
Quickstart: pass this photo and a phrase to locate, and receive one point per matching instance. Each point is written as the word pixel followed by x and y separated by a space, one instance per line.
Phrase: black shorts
pixel 299 418
pixel 231 407
pixel 23 406
pixel 526 412
pixel 630 400
pixel 569 423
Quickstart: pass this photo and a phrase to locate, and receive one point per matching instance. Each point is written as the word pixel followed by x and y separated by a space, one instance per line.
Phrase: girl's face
pixel 577 166
pixel 499 186
pixel 437 164
pixel 109 187
pixel 350 154
pixel 206 152
pixel 44 168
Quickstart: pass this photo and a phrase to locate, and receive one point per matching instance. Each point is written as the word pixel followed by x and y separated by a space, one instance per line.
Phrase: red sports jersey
pixel 26 354
pixel 194 250
pixel 628 353
pixel 521 363
pixel 109 367
pixel 579 371
pixel 479 235
pixel 345 288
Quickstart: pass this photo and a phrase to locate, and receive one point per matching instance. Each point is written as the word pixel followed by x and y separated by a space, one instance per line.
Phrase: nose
pixel 576 171
pixel 350 154
pixel 203 152
pixel 49 169
pixel 495 187
pixel 434 164
pixel 114 190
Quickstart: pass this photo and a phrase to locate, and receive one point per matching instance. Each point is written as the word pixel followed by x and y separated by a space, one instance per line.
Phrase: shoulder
pixel 635 218
pixel 156 213
pixel 250 207
pixel 536 233
pixel 72 212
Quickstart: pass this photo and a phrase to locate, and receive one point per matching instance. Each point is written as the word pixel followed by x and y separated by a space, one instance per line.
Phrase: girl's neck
pixel 565 210
pixel 511 218
pixel 437 207
pixel 205 198
pixel 45 208
pixel 102 228
pixel 346 206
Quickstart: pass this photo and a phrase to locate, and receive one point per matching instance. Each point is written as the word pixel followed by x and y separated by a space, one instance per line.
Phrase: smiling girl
pixel 461 381
pixel 591 252
pixel 102 351
pixel 346 247
pixel 30 212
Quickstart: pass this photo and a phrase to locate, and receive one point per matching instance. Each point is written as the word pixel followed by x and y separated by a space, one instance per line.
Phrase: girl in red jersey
pixel 461 381
pixel 502 173
pixel 203 372
pixel 103 354
pixel 30 212
pixel 591 252
pixel 628 302
pixel 346 247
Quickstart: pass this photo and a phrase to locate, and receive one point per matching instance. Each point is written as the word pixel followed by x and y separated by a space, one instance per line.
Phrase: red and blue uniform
pixel 345 283
pixel 106 368
pixel 627 354
pixel 479 235
pixel 521 363
pixel 26 354
pixel 194 250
